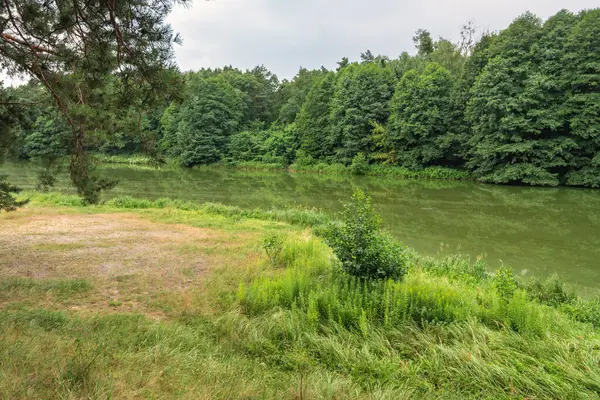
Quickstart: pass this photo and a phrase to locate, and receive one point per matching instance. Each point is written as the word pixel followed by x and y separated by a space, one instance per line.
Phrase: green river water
pixel 535 231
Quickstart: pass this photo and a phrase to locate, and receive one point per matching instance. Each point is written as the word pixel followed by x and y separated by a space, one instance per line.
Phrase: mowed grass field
pixel 133 300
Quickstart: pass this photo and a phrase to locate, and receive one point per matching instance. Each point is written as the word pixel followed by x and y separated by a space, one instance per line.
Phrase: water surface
pixel 535 231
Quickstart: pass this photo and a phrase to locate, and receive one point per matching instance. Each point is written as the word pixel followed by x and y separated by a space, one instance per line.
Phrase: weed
pixel 273 245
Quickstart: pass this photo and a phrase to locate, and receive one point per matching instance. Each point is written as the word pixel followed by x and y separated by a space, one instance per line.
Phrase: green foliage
pixel 327 300
pixel 169 123
pixel 306 217
pixel 449 56
pixel 360 98
pixel 580 65
pixel 505 283
pixel 7 201
pixel 423 42
pixel 313 120
pixel 10 116
pixel 360 164
pixel 130 203
pixel 279 144
pixel 306 163
pixel 207 122
pixel 457 268
pixel 244 146
pixel 46 179
pixel 551 291
pixel 88 185
pixel 587 311
pixel 47 138
pixel 273 246
pixel 132 159
pixel 362 248
pixel 293 93
pixel 521 112
pixel 422 122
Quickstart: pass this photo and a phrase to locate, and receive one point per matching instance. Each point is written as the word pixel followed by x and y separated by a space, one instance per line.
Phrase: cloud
pixel 286 34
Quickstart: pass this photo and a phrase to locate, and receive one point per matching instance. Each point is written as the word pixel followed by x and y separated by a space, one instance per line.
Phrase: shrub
pixel 273 244
pixel 303 159
pixel 361 246
pixel 360 165
pixel 505 284
pixel 551 292
pixel 582 310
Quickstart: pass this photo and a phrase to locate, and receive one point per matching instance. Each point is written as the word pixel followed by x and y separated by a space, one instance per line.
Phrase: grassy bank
pixel 384 170
pixel 137 159
pixel 171 299
pixel 430 173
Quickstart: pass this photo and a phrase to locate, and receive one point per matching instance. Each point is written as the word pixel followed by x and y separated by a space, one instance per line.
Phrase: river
pixel 535 231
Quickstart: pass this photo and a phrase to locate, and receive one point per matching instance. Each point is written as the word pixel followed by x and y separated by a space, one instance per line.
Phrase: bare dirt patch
pixel 129 259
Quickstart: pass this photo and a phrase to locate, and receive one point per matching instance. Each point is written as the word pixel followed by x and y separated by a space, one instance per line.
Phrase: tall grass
pixel 24 286
pixel 423 335
pixel 297 327
pixel 312 285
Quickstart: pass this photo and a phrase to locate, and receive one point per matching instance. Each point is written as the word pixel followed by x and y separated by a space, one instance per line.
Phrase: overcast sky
pixel 286 34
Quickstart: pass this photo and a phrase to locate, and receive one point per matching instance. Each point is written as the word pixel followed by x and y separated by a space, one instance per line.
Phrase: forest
pixel 519 106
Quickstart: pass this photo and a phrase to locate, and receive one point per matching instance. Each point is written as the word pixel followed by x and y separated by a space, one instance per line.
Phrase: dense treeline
pixel 518 106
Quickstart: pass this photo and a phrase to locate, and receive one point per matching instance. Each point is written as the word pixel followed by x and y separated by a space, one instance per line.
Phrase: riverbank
pixel 139 298
pixel 536 231
pixel 318 168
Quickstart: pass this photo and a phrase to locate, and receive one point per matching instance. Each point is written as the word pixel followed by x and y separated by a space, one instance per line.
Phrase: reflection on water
pixel 533 230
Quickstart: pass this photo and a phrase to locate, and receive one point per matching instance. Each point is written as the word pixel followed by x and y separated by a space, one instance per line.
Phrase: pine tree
pixel 9 119
pixel 96 59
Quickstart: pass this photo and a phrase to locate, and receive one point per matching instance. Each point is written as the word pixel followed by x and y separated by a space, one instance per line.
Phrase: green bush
pixel 303 159
pixel 587 311
pixel 361 246
pixel 551 292
pixel 360 165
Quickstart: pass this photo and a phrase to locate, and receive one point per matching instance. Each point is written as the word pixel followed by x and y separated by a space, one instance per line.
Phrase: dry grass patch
pixel 130 261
